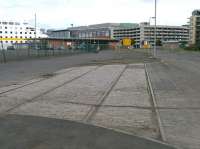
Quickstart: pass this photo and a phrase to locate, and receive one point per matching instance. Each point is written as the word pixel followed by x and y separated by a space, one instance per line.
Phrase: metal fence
pixel 23 54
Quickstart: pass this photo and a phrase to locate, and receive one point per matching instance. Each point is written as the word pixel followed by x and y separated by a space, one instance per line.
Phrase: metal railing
pixel 31 53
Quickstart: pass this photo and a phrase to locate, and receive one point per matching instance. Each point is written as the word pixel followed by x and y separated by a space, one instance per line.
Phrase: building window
pixel 0 32
pixel 6 27
pixel 11 32
pixel 15 36
pixel 6 41
pixel 21 37
pixel 17 23
pixel 25 32
pixel 6 32
pixel 20 32
pixel 15 32
pixel 30 33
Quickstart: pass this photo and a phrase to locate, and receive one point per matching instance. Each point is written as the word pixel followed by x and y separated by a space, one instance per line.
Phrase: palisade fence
pixel 31 53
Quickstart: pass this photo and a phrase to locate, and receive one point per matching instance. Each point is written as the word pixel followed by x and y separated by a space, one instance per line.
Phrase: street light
pixel 149 26
pixel 150 19
pixel 155 38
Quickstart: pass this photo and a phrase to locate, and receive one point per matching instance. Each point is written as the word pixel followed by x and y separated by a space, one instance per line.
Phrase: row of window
pixel 12 23
pixel 31 28
pixel 11 32
pixel 13 41
pixel 15 37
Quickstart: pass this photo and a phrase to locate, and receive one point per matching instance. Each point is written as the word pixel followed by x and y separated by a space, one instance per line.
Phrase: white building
pixel 17 32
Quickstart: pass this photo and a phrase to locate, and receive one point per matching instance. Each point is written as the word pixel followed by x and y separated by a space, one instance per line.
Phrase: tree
pixel 133 42
pixel 158 42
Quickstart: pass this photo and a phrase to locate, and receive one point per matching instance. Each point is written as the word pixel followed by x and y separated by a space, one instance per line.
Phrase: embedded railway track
pixel 31 83
pixel 154 105
pixel 95 107
pixel 44 93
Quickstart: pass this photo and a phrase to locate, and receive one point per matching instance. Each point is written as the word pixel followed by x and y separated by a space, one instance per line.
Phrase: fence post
pixel 4 56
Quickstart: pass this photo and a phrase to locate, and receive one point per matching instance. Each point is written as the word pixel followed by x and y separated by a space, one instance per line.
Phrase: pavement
pixel 176 85
pixel 108 96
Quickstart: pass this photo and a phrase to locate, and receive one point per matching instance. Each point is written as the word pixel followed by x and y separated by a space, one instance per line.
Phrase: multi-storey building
pixel 141 33
pixel 194 24
pixel 17 32
pixel 145 33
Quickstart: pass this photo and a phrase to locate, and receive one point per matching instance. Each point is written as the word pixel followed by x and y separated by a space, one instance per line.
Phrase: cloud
pixel 62 13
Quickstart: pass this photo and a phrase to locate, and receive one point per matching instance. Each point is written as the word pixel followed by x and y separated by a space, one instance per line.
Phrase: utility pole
pixel 35 31
pixel 155 30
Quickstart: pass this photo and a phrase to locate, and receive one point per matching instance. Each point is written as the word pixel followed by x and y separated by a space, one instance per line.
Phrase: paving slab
pixel 127 102
pixel 139 122
pixel 53 109
pixel 131 89
pixel 127 107
pixel 21 95
pixel 85 90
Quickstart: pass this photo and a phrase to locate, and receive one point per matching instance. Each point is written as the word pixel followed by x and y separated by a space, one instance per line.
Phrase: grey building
pixel 59 34
pixel 194 24
pixel 141 33
pixel 145 33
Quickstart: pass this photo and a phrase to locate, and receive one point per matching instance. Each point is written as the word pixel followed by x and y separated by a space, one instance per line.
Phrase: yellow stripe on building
pixel 14 39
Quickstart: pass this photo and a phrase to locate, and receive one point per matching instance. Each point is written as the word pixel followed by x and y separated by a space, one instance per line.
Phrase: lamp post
pixel 150 19
pixel 155 29
pixel 35 31
pixel 72 34
pixel 150 29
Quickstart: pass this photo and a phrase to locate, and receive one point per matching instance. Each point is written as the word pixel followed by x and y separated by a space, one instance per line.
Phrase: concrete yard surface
pixel 176 85
pixel 110 96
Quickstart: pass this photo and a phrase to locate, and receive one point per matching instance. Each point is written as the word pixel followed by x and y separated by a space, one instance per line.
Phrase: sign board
pixel 126 42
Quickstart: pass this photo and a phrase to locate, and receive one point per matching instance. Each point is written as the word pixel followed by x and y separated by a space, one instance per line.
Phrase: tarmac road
pixel 176 83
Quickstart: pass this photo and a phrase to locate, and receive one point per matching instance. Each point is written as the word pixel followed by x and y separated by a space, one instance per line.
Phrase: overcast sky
pixel 62 13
